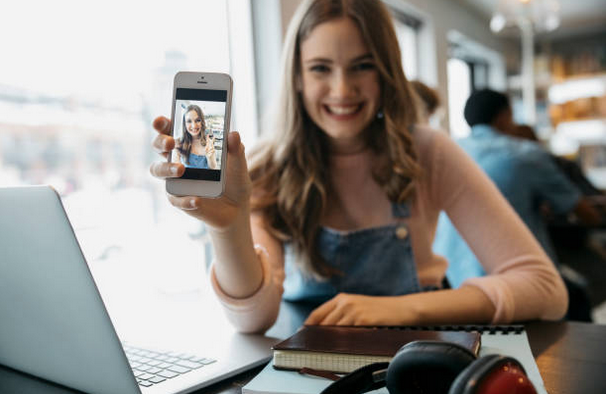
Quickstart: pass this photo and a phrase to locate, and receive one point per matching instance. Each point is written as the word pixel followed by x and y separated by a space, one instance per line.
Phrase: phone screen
pixel 199 130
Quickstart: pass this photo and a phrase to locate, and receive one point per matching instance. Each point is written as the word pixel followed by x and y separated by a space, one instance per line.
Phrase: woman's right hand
pixel 220 213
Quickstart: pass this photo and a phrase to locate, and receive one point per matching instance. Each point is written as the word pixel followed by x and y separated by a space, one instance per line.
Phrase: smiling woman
pixel 341 202
pixel 340 87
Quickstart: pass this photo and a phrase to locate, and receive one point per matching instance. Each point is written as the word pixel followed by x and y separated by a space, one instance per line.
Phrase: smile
pixel 343 110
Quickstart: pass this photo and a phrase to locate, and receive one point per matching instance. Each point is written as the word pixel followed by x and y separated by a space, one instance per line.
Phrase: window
pixel 459 89
pixel 407 32
pixel 80 83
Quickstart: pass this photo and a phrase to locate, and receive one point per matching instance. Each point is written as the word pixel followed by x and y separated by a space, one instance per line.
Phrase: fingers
pixel 167 170
pixel 346 320
pixel 162 125
pixel 163 143
pixel 188 203
pixel 318 315
pixel 333 317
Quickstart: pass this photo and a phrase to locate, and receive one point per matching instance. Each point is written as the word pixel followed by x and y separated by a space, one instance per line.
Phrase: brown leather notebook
pixel 344 349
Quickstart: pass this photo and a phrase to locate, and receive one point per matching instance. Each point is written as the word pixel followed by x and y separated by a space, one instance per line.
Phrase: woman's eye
pixel 319 68
pixel 363 66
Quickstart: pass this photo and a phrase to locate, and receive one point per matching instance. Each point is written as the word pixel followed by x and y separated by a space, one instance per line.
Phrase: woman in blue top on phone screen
pixel 193 149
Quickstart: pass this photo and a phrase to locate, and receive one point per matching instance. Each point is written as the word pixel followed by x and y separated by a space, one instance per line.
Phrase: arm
pixel 238 273
pixel 464 305
pixel 587 213
pixel 258 310
pixel 522 282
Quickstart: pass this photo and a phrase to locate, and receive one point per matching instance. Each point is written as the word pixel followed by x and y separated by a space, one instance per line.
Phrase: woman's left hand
pixel 361 310
pixel 210 145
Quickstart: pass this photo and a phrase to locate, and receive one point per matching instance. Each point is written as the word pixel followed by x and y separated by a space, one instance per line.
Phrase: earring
pixel 380 114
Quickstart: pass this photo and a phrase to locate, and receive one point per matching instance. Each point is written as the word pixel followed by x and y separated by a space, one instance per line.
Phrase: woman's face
pixel 193 123
pixel 340 83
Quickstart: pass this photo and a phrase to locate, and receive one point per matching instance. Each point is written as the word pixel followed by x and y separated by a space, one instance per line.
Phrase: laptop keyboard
pixel 152 367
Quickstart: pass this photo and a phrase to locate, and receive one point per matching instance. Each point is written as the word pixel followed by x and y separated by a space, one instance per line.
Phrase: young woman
pixel 341 202
pixel 194 149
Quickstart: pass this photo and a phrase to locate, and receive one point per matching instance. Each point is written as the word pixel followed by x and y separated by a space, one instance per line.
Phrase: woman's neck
pixel 356 200
pixel 350 146
pixel 196 146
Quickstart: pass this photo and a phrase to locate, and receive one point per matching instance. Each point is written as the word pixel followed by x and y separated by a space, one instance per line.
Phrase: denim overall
pixel 197 161
pixel 376 261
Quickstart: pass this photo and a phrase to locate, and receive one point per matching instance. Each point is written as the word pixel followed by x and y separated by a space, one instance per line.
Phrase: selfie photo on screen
pixel 198 132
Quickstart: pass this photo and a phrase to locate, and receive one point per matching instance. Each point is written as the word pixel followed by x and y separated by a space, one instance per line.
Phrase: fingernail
pixel 192 203
pixel 163 123
pixel 174 170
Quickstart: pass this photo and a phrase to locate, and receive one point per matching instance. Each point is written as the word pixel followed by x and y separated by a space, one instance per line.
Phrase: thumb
pixel 235 148
pixel 234 144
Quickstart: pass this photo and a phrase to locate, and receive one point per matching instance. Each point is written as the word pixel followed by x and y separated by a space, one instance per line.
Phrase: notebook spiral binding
pixel 482 329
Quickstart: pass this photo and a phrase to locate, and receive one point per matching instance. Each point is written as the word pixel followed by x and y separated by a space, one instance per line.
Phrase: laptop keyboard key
pixel 179 369
pixel 150 367
pixel 167 374
pixel 138 373
pixel 154 370
pixel 189 364
pixel 157 379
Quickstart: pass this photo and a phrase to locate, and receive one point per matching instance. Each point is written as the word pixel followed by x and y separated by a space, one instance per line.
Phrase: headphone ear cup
pixel 426 367
pixel 493 374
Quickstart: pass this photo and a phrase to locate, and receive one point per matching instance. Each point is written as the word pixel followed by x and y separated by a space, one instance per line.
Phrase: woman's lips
pixel 343 111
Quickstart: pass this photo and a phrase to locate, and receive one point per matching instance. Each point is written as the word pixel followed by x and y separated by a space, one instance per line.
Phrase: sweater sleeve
pixel 521 280
pixel 257 313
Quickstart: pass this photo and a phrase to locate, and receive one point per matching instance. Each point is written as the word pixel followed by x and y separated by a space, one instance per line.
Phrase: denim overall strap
pixel 197 161
pixel 375 261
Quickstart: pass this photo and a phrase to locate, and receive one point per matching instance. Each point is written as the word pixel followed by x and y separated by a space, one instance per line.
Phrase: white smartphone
pixel 201 112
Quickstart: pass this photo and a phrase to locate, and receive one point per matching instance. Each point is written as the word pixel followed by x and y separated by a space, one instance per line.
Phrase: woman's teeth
pixel 343 110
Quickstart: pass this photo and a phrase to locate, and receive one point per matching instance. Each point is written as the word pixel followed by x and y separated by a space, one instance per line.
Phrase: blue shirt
pixel 526 175
pixel 196 161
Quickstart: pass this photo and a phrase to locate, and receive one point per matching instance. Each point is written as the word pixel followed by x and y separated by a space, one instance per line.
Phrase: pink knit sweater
pixel 521 281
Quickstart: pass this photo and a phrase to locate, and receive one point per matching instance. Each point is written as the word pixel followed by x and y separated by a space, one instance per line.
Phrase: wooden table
pixel 571 357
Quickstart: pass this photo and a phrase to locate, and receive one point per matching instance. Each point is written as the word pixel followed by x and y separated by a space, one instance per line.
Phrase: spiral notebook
pixel 342 349
pixel 510 340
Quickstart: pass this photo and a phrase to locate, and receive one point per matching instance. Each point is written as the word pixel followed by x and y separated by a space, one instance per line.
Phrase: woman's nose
pixel 342 85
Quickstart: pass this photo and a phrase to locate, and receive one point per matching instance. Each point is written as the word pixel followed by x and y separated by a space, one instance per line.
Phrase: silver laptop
pixel 54 325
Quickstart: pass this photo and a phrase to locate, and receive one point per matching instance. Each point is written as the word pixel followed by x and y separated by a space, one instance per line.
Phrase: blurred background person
pixel 430 108
pixel 528 178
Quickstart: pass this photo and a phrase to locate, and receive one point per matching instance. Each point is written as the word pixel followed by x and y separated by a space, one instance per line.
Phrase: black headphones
pixel 434 367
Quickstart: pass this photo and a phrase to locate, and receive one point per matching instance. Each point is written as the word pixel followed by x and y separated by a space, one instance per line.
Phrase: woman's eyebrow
pixel 366 56
pixel 318 60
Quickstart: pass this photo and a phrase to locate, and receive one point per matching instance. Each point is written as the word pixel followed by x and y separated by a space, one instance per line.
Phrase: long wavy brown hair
pixel 289 167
